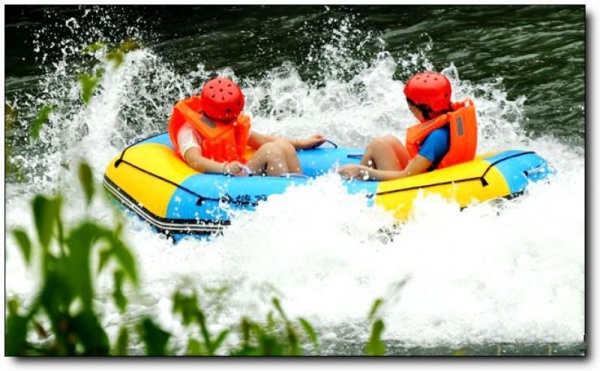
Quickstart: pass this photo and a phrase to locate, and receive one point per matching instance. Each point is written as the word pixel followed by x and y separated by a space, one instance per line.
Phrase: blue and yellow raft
pixel 153 182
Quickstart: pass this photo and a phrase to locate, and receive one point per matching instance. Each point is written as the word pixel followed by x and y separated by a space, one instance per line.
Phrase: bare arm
pixel 256 140
pixel 194 158
pixel 417 165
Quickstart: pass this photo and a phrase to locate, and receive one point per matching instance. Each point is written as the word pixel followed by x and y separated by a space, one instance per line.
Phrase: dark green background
pixel 539 51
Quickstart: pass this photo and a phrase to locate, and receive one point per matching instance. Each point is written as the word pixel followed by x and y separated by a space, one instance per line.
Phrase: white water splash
pixel 488 274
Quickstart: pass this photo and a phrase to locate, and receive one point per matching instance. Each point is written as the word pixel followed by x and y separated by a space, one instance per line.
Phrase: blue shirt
pixel 436 146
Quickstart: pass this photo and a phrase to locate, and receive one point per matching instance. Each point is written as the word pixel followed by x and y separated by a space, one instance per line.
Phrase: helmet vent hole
pixel 230 93
pixel 213 96
pixel 239 103
pixel 221 90
pixel 228 110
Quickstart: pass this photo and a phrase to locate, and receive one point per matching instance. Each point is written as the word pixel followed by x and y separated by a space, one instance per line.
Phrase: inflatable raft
pixel 149 179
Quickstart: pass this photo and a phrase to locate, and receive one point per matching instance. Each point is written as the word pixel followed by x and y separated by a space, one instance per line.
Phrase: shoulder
pixel 243 119
pixel 186 127
pixel 439 135
pixel 187 132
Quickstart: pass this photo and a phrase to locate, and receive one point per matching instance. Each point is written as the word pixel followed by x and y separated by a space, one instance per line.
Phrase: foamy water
pixel 489 274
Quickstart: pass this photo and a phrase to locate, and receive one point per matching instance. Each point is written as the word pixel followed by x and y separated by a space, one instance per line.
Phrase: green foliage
pixel 121 343
pixel 11 116
pixel 192 315
pixel 117 55
pixel 275 337
pixel 94 47
pixel 24 243
pixel 67 290
pixel 87 181
pixel 154 338
pixel 62 316
pixel 90 81
pixel 375 346
pixel 40 120
pixel 88 84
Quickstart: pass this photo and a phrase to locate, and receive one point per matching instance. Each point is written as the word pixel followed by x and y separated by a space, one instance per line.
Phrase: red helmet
pixel 429 88
pixel 222 99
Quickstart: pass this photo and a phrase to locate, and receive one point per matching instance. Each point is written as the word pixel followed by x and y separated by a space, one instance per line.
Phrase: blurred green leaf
pixel 78 272
pixel 374 308
pixel 87 328
pixel 277 306
pixel 24 243
pixel 122 342
pixel 375 346
pixel 270 321
pixel 269 346
pixel 125 258
pixel 116 56
pixel 294 343
pixel 55 297
pixel 87 181
pixel 120 252
pixel 312 335
pixel 118 296
pixel 40 120
pixel 194 348
pixel 186 306
pixel 217 343
pixel 13 306
pixel 201 318
pixel 129 45
pixel 94 47
pixel 245 328
pixel 10 116
pixel 45 212
pixel 154 338
pixel 16 335
pixel 104 256
pixel 88 84
pixel 459 353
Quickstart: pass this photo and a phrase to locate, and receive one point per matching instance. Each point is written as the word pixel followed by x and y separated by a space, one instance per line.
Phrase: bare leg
pixel 291 156
pixel 269 159
pixel 386 153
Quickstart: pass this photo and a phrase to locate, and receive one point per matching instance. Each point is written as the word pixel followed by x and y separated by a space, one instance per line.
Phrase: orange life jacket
pixel 220 142
pixel 463 134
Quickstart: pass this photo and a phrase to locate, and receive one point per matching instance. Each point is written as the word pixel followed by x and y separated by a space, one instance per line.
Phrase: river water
pixel 489 280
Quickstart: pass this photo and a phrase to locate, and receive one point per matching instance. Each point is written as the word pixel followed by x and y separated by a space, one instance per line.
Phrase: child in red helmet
pixel 446 134
pixel 211 134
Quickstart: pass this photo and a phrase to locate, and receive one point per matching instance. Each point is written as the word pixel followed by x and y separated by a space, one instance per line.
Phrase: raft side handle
pixel 357 156
pixel 294 175
pixel 534 171
pixel 247 170
pixel 331 142
pixel 118 162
